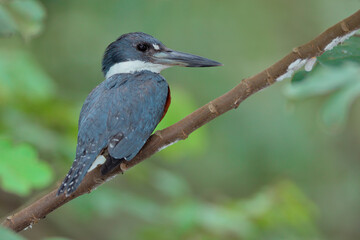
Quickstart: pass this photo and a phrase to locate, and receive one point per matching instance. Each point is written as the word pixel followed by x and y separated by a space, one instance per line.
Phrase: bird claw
pixel 122 167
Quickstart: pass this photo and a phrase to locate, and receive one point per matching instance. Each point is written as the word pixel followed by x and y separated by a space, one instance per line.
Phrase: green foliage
pixel 29 110
pixel 349 51
pixel 25 90
pixel 323 80
pixel 56 238
pixel 336 75
pixel 21 170
pixel 277 211
pixel 182 104
pixel 337 109
pixel 7 24
pixel 21 77
pixel 7 234
pixel 24 17
pixel 169 184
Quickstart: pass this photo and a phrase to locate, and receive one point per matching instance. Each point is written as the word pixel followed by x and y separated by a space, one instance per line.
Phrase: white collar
pixel 134 66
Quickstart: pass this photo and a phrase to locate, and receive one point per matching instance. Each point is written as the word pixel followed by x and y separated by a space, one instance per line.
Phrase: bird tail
pixel 75 175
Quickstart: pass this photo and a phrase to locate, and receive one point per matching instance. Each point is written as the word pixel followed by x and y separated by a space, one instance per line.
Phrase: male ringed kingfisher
pixel 121 112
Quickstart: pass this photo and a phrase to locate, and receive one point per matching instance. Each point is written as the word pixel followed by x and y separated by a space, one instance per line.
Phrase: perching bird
pixel 121 112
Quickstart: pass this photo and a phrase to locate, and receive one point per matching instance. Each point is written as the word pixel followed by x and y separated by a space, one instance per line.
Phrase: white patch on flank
pixel 310 64
pixel 168 145
pixel 294 66
pixel 338 40
pixel 156 47
pixel 98 161
pixel 134 66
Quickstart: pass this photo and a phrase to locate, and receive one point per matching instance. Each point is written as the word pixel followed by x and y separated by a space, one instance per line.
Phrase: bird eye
pixel 142 47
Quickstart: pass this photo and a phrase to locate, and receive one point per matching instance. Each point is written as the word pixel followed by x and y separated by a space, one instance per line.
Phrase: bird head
pixel 133 52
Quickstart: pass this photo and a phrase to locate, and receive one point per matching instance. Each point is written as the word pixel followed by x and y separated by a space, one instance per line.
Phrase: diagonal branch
pixel 182 129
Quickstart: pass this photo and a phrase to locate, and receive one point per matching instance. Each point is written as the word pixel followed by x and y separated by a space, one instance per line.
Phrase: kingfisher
pixel 121 113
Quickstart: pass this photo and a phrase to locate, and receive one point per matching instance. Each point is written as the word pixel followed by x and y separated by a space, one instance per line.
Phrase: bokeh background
pixel 272 169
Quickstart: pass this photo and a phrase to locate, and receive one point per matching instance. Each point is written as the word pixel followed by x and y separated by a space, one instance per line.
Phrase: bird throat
pixel 134 66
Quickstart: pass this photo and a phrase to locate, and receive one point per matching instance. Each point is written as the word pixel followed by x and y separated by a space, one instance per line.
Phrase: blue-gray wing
pixel 120 114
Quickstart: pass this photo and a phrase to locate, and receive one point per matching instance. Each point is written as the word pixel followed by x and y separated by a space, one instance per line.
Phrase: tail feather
pixel 75 175
pixel 66 181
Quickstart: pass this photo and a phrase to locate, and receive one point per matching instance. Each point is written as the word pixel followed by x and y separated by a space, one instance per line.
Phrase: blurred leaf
pixel 107 202
pixel 7 24
pixel 21 76
pixel 170 184
pixel 33 130
pixel 21 170
pixel 322 81
pixel 184 214
pixel 337 108
pixel 6 234
pixel 338 70
pixel 299 76
pixel 279 211
pixel 56 238
pixel 345 52
pixel 22 16
pixel 182 104
pixel 289 207
pixel 343 81
pixel 349 51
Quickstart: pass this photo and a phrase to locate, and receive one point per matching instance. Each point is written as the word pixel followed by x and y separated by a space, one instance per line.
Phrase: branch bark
pixel 182 129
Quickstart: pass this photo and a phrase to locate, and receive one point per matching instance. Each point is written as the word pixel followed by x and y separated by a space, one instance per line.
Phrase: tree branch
pixel 182 129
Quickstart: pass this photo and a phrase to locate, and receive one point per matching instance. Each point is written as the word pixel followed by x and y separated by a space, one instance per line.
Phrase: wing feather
pixel 120 114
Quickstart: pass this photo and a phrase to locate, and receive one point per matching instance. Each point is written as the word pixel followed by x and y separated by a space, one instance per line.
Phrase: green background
pixel 278 167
